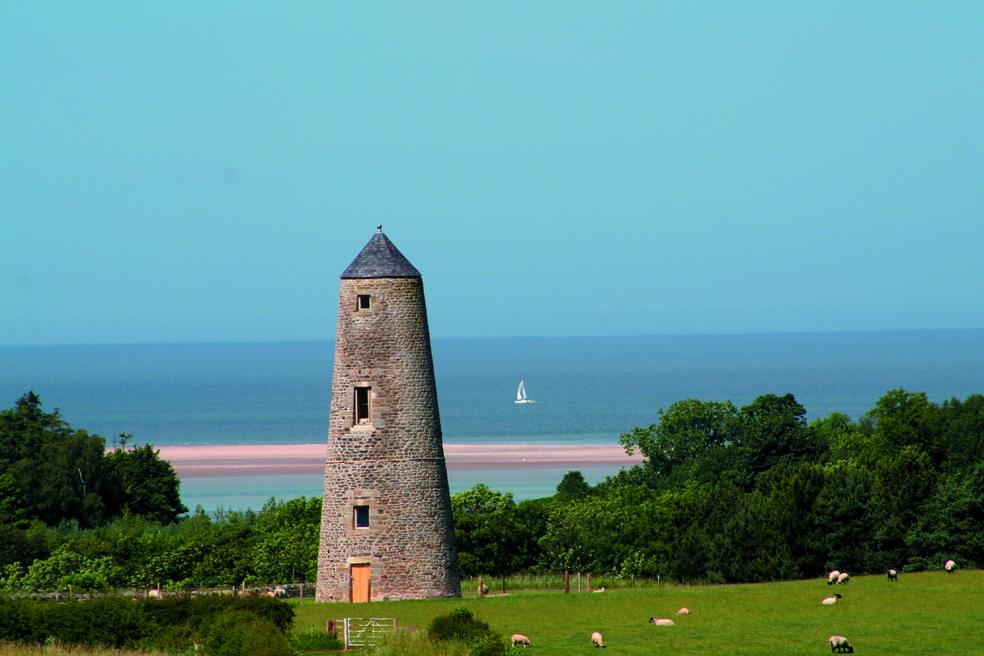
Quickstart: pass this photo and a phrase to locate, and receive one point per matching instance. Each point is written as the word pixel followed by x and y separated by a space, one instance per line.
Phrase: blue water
pixel 588 390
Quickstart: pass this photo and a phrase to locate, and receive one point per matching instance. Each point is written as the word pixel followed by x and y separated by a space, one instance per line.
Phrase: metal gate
pixel 367 631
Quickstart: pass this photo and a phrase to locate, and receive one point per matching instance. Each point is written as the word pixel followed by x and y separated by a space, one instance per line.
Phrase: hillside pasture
pixel 924 613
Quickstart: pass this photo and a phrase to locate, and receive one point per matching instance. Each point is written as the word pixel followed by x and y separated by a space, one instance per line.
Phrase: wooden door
pixel 361 575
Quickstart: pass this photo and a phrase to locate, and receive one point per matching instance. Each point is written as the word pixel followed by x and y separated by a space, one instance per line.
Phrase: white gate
pixel 367 631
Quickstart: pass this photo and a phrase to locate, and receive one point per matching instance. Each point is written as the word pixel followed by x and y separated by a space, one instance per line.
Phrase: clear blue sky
pixel 177 171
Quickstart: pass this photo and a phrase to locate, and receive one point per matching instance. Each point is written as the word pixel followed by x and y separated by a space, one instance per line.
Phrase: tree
pixel 52 472
pixel 773 430
pixel 690 436
pixel 573 486
pixel 141 483
pixel 486 530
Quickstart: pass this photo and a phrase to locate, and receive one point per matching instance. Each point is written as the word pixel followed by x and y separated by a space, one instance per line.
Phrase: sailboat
pixel 521 394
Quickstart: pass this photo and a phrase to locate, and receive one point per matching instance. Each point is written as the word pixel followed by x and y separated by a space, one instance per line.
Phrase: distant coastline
pixel 279 459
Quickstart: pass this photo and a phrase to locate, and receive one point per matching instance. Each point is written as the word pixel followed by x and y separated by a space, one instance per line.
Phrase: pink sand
pixel 260 459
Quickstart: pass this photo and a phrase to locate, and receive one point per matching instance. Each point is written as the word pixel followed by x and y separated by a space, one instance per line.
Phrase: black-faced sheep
pixel 658 621
pixel 892 575
pixel 830 601
pixel 840 645
pixel 519 640
pixel 597 640
pixel 832 577
pixel 949 566
pixel 843 578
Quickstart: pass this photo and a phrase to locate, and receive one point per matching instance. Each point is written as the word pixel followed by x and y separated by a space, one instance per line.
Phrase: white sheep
pixel 661 622
pixel 949 566
pixel 832 577
pixel 483 590
pixel 892 575
pixel 830 601
pixel 155 593
pixel 601 589
pixel 840 645
pixel 597 640
pixel 519 640
pixel 683 611
pixel 843 578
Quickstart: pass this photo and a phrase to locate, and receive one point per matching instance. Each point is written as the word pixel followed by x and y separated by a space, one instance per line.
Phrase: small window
pixel 362 415
pixel 362 302
pixel 360 516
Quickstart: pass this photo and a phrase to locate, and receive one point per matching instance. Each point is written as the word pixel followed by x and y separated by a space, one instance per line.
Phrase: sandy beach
pixel 271 459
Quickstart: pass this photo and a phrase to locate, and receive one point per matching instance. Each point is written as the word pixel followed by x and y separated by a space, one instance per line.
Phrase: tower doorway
pixel 361 575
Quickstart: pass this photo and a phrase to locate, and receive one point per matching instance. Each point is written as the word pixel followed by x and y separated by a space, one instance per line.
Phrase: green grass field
pixel 925 613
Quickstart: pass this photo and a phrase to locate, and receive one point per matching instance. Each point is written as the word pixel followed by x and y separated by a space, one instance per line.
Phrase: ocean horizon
pixel 588 390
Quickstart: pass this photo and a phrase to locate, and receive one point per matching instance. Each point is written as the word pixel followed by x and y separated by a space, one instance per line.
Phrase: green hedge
pixel 173 623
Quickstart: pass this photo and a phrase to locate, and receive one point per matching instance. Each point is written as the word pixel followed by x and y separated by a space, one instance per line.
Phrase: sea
pixel 588 390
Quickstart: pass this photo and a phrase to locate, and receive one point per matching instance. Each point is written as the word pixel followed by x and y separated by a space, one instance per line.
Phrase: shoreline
pixel 273 459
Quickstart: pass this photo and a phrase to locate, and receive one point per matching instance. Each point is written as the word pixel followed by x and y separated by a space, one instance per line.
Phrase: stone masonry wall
pixel 395 464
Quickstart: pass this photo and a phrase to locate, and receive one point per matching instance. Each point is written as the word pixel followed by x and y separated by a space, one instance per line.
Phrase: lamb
pixel 892 575
pixel 830 601
pixel 843 578
pixel 661 622
pixel 949 566
pixel 519 640
pixel 683 611
pixel 832 577
pixel 840 645
pixel 597 640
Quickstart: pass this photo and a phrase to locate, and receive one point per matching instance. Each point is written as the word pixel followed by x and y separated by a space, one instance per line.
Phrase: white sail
pixel 521 394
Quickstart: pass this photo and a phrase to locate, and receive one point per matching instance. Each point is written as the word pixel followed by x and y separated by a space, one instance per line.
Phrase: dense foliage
pixel 226 625
pixel 725 494
pixel 755 493
pixel 277 544
pixel 54 473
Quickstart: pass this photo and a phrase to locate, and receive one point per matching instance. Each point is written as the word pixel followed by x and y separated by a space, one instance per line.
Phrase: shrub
pixel 242 633
pixel 487 645
pixel 110 621
pixel 19 621
pixel 459 624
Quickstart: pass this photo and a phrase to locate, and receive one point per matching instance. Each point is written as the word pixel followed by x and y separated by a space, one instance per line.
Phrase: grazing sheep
pixel 832 577
pixel 830 601
pixel 683 611
pixel 597 640
pixel 840 645
pixel 661 622
pixel 949 566
pixel 483 590
pixel 519 640
pixel 892 575
pixel 155 593
pixel 843 578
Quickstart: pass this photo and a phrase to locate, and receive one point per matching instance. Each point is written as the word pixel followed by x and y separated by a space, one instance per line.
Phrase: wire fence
pixel 578 582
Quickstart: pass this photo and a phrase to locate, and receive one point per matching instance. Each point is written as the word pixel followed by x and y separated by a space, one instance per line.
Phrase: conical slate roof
pixel 380 259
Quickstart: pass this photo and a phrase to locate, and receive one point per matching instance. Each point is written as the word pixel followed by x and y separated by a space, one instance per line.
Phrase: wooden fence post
pixel 567 581
pixel 589 581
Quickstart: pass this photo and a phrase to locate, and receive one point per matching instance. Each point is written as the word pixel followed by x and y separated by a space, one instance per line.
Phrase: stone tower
pixel 386 529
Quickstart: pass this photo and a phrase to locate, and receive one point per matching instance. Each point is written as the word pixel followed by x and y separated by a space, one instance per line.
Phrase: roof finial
pixel 379 228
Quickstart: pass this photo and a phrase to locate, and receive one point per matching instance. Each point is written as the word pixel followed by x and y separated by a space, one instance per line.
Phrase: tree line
pixel 725 494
